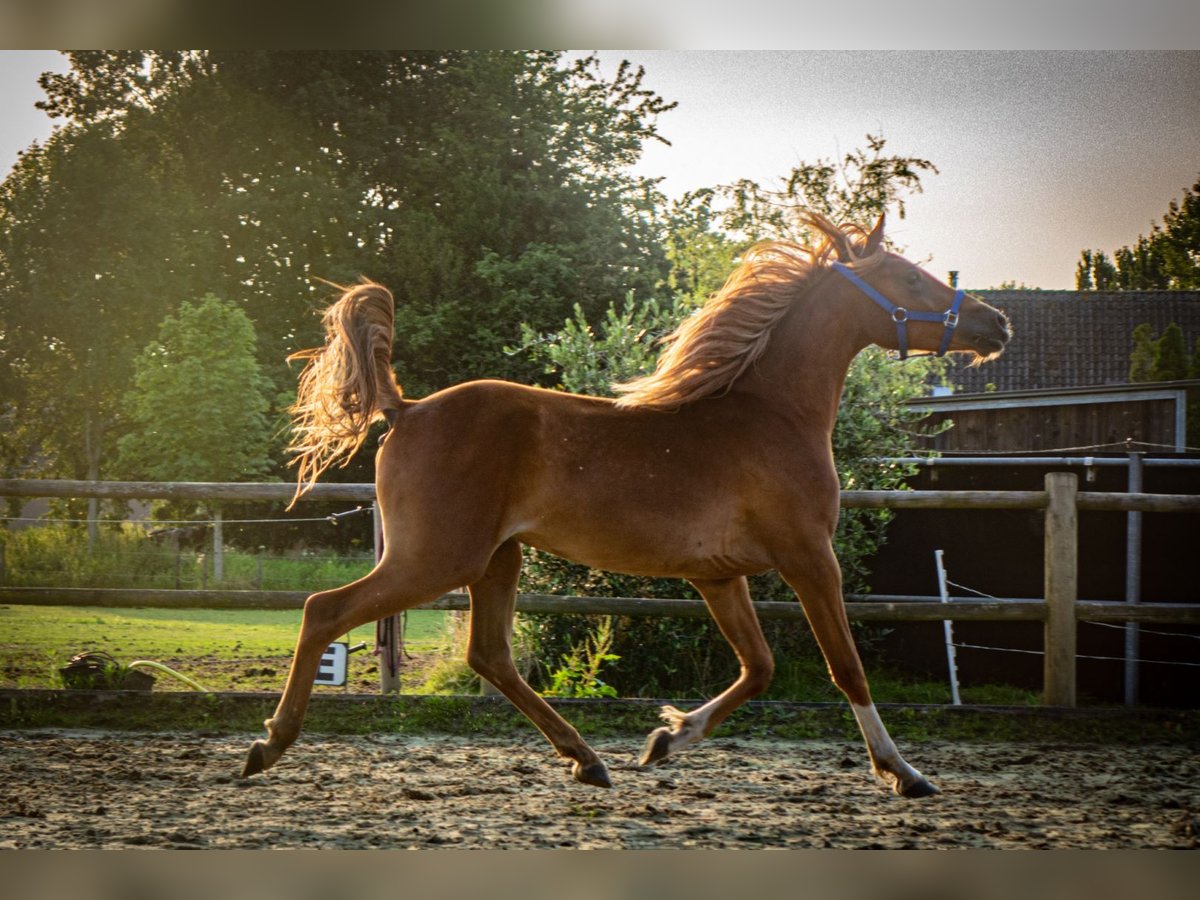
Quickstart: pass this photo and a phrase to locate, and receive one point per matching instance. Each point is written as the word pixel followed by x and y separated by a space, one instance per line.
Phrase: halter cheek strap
pixel 902 316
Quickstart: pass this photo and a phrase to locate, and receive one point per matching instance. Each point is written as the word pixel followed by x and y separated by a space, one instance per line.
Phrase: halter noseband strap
pixel 902 316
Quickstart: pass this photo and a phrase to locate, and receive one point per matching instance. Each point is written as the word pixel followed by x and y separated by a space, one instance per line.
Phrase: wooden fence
pixel 1060 609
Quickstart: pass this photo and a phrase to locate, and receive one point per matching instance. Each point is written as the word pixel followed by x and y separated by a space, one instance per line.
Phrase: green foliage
pixel 587 360
pixel 1012 285
pixel 857 188
pixel 58 555
pixel 700 254
pixel 872 423
pixel 487 188
pixel 1161 359
pixel 122 555
pixel 451 675
pixel 578 674
pixel 199 402
pixel 1168 258
pixel 1095 271
pixel 1171 360
pixel 1166 359
pixel 1141 358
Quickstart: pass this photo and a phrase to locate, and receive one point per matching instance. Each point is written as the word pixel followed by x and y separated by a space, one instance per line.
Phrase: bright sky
pixel 1041 153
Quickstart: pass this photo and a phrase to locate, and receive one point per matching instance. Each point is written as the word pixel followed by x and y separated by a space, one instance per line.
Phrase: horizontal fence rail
pixel 1059 611
pixel 233 491
pixel 860 608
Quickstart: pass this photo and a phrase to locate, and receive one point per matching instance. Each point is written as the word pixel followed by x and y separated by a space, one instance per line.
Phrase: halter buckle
pixel 899 315
pixel 951 319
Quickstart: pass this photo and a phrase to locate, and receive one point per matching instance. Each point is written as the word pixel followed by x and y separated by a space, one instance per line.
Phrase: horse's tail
pixel 348 383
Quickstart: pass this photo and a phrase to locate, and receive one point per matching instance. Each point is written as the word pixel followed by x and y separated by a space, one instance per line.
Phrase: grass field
pixel 240 650
pixel 245 650
pixel 250 650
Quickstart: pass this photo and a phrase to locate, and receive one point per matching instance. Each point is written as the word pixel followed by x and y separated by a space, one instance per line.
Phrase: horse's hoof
pixel 255 760
pixel 658 747
pixel 595 774
pixel 918 788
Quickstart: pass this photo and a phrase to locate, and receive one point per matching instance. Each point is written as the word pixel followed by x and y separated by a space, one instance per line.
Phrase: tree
pixel 199 406
pixel 488 188
pixel 199 401
pixel 859 187
pixel 76 299
pixel 705 230
pixel 700 253
pixel 1096 271
pixel 1142 358
pixel 1161 359
pixel 587 360
pixel 122 210
pixel 1193 407
pixel 1168 258
pixel 1171 357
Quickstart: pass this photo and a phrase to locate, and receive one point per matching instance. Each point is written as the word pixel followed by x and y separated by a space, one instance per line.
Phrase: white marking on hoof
pixel 686 728
pixel 683 729
pixel 886 762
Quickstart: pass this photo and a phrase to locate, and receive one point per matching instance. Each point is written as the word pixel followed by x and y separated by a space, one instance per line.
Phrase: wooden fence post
pixel 1061 586
pixel 218 539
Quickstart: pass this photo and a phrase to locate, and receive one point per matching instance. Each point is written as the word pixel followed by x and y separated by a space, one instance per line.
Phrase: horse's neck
pixel 804 368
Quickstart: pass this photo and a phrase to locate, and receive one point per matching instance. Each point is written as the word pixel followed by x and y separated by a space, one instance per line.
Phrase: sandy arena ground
pixel 93 789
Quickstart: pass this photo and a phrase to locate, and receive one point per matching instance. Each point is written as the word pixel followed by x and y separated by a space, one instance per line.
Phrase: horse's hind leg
pixel 493 600
pixel 328 615
pixel 729 603
pixel 819 586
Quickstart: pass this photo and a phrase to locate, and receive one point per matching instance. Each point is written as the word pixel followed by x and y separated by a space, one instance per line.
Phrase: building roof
pixel 1067 339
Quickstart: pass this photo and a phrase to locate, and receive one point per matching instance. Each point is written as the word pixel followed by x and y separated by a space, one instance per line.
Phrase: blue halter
pixel 902 316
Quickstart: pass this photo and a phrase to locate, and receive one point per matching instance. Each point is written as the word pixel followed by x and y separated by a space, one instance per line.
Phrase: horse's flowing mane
pixel 712 347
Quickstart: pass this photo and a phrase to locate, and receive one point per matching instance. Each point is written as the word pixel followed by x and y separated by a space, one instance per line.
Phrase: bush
pixel 125 555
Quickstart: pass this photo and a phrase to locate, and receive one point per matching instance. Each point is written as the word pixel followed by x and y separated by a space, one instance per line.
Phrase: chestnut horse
pixel 715 466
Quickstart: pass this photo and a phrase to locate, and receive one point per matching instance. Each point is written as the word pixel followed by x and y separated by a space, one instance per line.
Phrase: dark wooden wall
pixel 1040 428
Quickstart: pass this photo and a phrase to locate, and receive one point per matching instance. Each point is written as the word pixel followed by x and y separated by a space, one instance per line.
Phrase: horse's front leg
pixel 818 582
pixel 729 603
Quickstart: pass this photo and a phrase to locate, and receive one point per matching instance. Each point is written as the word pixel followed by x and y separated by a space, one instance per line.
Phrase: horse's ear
pixel 875 238
pixel 841 245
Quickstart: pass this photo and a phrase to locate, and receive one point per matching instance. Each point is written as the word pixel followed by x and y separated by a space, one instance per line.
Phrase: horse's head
pixel 912 310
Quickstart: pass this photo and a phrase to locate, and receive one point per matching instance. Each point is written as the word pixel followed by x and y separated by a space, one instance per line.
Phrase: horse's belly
pixel 682 551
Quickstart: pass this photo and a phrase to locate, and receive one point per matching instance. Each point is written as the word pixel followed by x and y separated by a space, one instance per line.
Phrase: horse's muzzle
pixel 988 334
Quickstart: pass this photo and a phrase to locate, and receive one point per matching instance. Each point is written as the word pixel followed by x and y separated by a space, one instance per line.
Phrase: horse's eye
pixel 913 278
